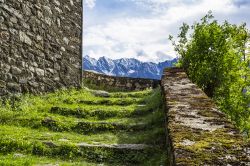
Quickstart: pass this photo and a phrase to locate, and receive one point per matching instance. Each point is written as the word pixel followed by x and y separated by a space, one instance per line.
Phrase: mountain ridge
pixel 126 67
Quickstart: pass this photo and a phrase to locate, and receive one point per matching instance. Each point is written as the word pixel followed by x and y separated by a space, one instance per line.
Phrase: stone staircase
pixel 86 128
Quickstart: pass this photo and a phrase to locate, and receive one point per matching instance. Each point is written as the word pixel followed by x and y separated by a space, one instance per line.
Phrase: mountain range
pixel 126 67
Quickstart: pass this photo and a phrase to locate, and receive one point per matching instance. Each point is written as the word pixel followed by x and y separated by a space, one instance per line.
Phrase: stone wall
pixel 121 83
pixel 198 133
pixel 40 45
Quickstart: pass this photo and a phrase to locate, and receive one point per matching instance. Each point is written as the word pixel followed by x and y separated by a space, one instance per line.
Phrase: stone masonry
pixel 198 133
pixel 121 83
pixel 40 45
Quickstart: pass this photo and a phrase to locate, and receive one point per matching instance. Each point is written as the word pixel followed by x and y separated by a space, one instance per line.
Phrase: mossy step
pixel 113 153
pixel 138 94
pixel 150 137
pixel 122 129
pixel 117 146
pixel 62 123
pixel 105 101
pixel 93 127
pixel 81 112
pixel 134 154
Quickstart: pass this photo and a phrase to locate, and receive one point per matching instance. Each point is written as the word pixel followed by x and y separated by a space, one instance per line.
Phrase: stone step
pixel 100 113
pixel 116 146
pixel 94 127
pixel 106 101
pixel 129 154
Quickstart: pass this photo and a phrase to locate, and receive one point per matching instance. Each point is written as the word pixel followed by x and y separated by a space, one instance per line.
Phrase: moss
pixel 211 113
pixel 50 127
pixel 208 146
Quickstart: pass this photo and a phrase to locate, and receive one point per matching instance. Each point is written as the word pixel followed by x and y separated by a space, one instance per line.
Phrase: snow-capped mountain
pixel 126 67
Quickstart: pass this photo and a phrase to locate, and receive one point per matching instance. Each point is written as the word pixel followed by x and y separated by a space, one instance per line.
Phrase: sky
pixel 140 28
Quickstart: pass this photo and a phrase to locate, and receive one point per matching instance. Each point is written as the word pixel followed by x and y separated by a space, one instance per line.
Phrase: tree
pixel 214 57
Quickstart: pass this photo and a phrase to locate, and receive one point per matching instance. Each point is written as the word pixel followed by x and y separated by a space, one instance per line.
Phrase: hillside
pixel 126 67
pixel 83 127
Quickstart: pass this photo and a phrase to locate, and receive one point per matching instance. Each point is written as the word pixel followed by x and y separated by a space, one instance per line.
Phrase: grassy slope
pixel 47 129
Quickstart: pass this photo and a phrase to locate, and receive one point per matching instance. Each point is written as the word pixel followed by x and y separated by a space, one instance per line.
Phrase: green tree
pixel 214 57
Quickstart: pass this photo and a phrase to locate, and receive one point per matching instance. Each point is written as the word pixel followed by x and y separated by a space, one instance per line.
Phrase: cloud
pixel 146 37
pixel 240 3
pixel 89 3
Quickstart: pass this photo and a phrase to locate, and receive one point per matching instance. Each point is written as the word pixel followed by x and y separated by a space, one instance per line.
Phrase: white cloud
pixel 89 3
pixel 146 38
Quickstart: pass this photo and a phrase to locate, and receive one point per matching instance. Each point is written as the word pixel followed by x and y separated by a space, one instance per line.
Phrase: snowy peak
pixel 127 67
pixel 106 65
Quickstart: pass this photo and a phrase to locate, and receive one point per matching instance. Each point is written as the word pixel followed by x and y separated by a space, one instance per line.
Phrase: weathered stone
pixel 24 38
pixel 48 21
pixel 56 2
pixel 18 155
pixel 23 81
pixel 1 19
pixel 50 144
pixel 14 87
pixel 122 83
pixel 12 11
pixel 39 72
pixel 2 84
pixel 66 40
pixel 198 133
pixel 39 38
pixel 33 37
pixel 47 10
pixel 33 84
pixel 63 49
pixel 4 36
pixel 26 10
pixel 15 70
pixel 100 93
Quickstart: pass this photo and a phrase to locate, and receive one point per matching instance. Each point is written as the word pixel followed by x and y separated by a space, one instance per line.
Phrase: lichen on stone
pixel 199 133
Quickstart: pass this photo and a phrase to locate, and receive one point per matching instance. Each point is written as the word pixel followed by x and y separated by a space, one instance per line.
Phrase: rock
pixel 18 155
pixel 23 81
pixel 187 142
pixel 63 140
pixel 100 93
pixel 2 84
pixel 40 72
pixel 14 87
pixel 24 38
pixel 15 70
pixel 50 144
pixel 49 122
pixel 66 40
pixel 56 2
pixel 47 10
pixel 1 19
pixel 13 20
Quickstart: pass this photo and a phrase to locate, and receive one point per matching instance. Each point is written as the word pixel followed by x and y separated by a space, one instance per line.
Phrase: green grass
pixel 18 159
pixel 47 129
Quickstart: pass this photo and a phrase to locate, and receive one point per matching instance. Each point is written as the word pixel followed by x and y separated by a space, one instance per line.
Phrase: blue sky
pixel 140 28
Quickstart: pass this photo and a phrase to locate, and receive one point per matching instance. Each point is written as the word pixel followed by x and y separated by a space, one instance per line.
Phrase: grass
pixel 18 159
pixel 49 129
